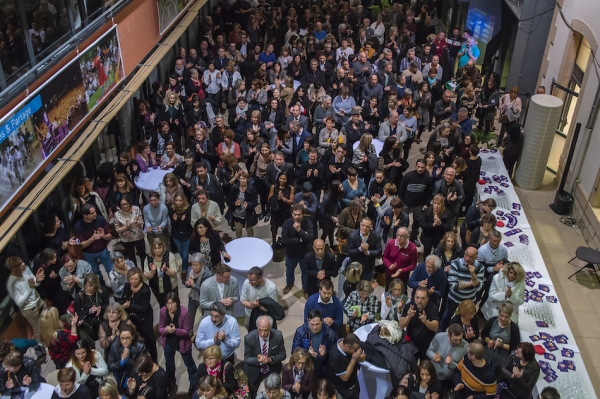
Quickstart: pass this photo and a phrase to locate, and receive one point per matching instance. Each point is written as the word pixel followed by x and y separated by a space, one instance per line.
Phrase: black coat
pixel 139 303
pixel 279 117
pixel 310 269
pixel 227 376
pixel 297 243
pixel 82 392
pixel 251 197
pixel 122 372
pixel 28 368
pixel 357 255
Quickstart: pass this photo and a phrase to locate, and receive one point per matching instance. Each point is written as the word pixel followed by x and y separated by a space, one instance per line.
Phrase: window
pixel 49 25
pixel 14 56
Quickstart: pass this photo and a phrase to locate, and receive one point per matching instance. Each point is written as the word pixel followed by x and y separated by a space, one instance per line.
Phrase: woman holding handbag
pixel 510 112
pixel 139 308
pixel 90 304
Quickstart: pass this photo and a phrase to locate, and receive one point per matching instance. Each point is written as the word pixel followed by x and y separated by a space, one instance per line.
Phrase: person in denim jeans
pixel 94 234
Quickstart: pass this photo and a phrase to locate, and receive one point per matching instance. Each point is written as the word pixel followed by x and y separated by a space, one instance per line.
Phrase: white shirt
pixel 21 293
pixel 221 287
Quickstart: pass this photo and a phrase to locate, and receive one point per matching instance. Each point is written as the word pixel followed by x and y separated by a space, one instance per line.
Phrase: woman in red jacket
pixel 56 335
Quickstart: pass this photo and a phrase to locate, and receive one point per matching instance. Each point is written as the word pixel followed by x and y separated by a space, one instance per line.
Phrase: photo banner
pixel 168 11
pixel 34 129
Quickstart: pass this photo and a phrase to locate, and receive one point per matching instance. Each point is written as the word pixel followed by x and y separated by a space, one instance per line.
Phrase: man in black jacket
pixel 318 265
pixel 296 236
pixel 314 75
pixel 207 182
pixel 337 167
pixel 364 246
pixel 313 172
pixel 414 190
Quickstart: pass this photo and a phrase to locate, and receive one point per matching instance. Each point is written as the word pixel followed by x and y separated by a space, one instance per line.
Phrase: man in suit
pixel 264 352
pixel 296 116
pixel 364 246
pixel 318 265
pixel 222 287
pixel 299 135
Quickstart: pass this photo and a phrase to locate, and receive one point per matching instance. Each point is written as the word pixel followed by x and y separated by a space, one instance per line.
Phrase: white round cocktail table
pixel 149 181
pixel 245 253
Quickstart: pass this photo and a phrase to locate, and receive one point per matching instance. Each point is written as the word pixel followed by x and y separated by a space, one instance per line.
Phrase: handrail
pixel 31 202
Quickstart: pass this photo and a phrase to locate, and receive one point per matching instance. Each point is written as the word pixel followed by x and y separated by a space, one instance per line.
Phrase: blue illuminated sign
pixel 20 117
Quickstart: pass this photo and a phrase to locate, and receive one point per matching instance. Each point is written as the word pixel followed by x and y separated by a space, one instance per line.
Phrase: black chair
pixel 590 256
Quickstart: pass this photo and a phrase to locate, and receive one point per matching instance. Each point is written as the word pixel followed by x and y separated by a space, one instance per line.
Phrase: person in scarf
pixel 214 365
pixel 298 375
pixel 238 116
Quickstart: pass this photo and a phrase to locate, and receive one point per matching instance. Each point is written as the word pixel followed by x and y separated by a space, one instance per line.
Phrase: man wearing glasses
pixel 364 246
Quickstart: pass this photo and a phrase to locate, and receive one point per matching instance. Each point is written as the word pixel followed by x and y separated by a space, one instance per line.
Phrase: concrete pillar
pixel 540 128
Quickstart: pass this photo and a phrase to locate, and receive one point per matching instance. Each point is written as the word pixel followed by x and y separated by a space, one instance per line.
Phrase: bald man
pixel 318 265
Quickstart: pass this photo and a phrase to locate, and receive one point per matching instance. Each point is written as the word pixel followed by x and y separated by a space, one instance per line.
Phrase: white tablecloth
pixel 376 142
pixel 247 252
pixel 530 257
pixel 44 392
pixel 150 180
pixel 374 382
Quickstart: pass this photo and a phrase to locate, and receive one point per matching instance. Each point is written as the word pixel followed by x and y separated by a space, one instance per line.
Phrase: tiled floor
pixel 579 297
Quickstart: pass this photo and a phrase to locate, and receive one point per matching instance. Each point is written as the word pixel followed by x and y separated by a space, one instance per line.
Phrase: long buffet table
pixel 542 320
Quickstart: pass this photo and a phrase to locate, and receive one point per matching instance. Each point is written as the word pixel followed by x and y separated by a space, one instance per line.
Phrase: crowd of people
pixel 300 95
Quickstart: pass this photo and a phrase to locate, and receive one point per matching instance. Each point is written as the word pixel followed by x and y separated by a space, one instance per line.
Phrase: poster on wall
pixel 168 11
pixel 34 129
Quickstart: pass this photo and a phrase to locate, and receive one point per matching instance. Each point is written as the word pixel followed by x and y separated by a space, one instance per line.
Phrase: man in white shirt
pixel 257 287
pixel 219 329
pixel 343 52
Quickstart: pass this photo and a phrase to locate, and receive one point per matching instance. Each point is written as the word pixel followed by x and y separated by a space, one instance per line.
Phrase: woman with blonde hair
pixel 466 316
pixel 360 158
pixel 89 366
pixel 214 365
pixel 508 286
pixel 209 387
pixel 434 224
pixel 160 269
pixel 108 389
pixel 114 318
pixel 298 375
pixel 57 337
pixel 90 304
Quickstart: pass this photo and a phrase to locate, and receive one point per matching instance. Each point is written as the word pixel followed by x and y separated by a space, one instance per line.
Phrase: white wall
pixel 583 16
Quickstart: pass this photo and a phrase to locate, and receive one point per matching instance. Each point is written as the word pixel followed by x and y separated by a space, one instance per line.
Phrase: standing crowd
pixel 300 115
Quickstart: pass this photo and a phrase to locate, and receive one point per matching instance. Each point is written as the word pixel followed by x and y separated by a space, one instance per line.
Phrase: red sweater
pixel 62 347
pixel 404 258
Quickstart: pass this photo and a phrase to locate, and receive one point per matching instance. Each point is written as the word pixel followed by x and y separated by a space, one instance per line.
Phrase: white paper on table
pixel 525 225
pixel 544 281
